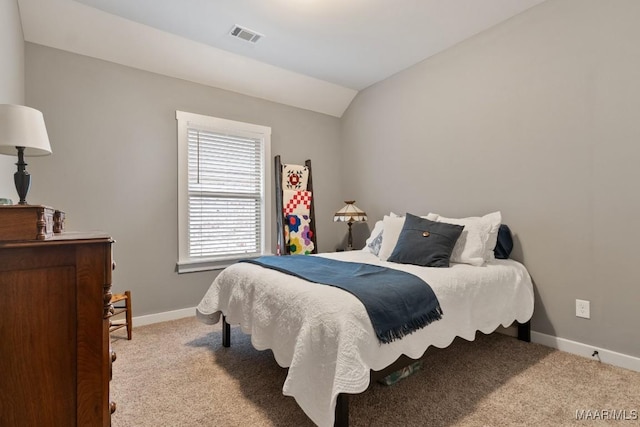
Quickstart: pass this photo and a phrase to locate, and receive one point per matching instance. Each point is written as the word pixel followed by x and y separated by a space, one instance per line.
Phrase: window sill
pixel 191 266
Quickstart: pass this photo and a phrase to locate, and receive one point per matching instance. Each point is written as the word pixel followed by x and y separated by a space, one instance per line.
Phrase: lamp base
pixel 23 182
pixel 22 178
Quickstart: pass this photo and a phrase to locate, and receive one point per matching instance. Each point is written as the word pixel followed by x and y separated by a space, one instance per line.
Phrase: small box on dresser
pixel 26 222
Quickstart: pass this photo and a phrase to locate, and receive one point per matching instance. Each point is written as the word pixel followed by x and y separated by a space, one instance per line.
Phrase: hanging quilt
pixel 296 202
pixel 300 234
pixel 294 177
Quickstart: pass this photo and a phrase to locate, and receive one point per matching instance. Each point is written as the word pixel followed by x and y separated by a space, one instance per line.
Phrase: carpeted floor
pixel 178 374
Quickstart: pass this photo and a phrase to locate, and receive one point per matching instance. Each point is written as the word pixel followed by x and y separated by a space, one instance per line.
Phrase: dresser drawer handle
pixel 112 407
pixel 113 265
pixel 113 356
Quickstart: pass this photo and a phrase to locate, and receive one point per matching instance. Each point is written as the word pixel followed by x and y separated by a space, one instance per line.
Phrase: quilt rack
pixel 294 197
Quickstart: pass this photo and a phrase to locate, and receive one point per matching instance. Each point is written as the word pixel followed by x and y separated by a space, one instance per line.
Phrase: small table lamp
pixel 22 129
pixel 350 214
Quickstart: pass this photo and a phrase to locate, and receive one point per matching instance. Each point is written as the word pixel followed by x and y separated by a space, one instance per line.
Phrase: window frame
pixel 185 120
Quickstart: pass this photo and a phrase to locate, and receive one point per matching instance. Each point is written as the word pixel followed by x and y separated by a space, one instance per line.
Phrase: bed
pixel 324 336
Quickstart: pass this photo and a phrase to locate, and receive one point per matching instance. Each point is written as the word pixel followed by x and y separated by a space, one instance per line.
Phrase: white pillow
pixel 496 220
pixel 392 228
pixel 478 239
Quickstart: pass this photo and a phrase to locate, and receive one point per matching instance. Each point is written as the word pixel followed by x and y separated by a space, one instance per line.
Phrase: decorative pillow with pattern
pixel 374 242
pixel 294 177
pixel 300 234
pixel 377 229
pixel 375 245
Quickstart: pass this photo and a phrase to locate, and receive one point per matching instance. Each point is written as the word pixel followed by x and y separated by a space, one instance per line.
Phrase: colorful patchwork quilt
pixel 298 234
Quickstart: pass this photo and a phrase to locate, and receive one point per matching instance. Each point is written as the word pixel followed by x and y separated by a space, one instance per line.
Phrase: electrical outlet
pixel 583 309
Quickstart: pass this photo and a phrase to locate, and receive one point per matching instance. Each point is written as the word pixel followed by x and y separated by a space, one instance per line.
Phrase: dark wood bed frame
pixel 342 404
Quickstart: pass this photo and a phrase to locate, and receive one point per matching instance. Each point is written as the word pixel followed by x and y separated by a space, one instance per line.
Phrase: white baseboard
pixel 163 317
pixel 584 350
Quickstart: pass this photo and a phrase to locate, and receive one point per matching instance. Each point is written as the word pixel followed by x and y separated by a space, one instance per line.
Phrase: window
pixel 223 196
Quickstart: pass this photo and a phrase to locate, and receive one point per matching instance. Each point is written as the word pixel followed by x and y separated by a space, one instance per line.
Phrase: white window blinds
pixel 223 196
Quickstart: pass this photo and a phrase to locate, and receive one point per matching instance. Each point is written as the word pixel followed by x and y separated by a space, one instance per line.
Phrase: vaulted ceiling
pixel 312 54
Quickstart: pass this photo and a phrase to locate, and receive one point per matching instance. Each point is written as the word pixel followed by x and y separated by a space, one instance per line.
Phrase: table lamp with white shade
pixel 22 130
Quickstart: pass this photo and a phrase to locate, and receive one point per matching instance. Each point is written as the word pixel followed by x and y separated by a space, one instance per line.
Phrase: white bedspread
pixel 324 336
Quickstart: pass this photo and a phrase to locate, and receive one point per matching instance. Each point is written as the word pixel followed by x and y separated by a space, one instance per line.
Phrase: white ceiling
pixel 322 49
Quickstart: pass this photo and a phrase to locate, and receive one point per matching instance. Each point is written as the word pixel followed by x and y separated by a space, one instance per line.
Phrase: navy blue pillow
pixel 504 245
pixel 426 243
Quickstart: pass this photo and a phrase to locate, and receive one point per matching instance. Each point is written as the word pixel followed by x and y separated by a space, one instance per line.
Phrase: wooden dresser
pixel 55 358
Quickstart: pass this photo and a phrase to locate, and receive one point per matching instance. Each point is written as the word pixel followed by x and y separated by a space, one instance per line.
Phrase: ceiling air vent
pixel 245 34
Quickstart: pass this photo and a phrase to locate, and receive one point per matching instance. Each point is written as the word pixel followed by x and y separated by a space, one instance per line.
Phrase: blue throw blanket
pixel 397 302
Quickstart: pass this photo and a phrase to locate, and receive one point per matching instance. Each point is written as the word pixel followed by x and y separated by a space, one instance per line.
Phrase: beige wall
pixel 114 162
pixel 11 81
pixel 539 118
